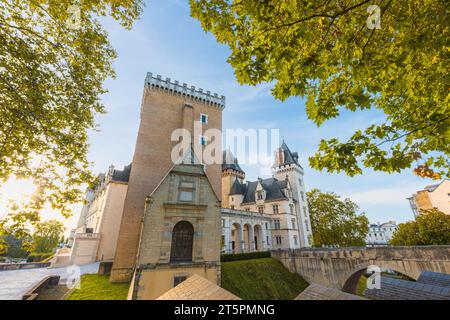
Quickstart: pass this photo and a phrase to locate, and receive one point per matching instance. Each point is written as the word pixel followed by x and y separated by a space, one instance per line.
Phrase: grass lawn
pixel 259 279
pixel 95 287
pixel 362 285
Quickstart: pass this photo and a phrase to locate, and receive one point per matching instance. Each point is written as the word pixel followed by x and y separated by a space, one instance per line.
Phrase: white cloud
pixel 385 196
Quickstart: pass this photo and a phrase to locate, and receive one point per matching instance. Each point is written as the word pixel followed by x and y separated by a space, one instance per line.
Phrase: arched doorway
pixel 236 238
pixel 182 242
pixel 257 231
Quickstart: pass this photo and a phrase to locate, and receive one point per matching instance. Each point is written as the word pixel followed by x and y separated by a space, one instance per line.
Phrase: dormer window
pixel 259 195
pixel 203 118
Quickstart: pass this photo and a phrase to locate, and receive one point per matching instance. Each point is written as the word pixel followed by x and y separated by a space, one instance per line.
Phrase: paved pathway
pixel 14 283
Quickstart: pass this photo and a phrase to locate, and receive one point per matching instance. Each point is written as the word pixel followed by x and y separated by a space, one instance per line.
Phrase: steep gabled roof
pixel 289 157
pixel 273 188
pixel 237 188
pixel 230 162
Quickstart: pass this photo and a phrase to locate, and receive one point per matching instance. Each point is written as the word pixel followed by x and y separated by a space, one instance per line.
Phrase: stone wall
pixel 341 268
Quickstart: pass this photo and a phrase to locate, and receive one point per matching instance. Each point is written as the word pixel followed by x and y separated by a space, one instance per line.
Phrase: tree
pixel 15 247
pixel 47 235
pixel 334 54
pixel 54 58
pixel 335 221
pixel 431 227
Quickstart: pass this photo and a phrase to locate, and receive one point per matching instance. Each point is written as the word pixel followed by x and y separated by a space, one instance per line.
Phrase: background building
pixel 434 196
pixel 381 233
pixel 95 238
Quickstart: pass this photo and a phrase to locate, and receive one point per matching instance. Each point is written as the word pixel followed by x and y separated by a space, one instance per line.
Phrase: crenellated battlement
pixel 184 90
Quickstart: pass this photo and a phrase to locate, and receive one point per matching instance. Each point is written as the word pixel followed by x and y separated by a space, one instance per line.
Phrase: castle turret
pixel 287 166
pixel 232 177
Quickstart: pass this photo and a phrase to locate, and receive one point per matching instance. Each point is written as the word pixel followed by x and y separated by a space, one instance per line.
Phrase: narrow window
pixel 202 140
pixel 204 118
pixel 275 209
pixel 276 224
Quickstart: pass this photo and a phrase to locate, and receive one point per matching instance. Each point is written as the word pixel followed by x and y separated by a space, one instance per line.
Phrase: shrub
pixel 245 256
pixel 39 256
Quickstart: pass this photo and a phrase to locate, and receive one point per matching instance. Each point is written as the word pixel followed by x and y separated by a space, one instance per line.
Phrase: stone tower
pixel 286 165
pixel 166 106
pixel 230 172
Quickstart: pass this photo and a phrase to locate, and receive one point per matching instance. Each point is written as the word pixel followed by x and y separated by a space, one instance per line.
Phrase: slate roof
pixel 230 162
pixel 289 156
pixel 318 292
pixel 237 188
pixel 398 289
pixel 435 278
pixel 197 288
pixel 273 187
pixel 122 175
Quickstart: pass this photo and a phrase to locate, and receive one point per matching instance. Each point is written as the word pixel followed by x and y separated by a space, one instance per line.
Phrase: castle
pixel 162 220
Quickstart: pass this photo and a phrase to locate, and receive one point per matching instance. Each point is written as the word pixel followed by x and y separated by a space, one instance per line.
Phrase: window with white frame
pixel 203 118
pixel 292 209
pixel 295 240
pixel 302 195
pixel 293 223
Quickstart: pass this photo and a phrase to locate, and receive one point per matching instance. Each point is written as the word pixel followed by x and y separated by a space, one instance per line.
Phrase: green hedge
pixel 39 256
pixel 245 256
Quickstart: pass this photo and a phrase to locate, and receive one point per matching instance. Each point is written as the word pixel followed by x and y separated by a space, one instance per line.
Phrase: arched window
pixel 182 241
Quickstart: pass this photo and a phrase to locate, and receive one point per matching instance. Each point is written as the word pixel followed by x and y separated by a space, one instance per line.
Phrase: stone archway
pixel 236 238
pixel 350 282
pixel 182 242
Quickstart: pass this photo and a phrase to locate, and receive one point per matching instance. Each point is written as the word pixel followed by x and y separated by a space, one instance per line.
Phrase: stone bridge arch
pixel 349 281
pixel 338 268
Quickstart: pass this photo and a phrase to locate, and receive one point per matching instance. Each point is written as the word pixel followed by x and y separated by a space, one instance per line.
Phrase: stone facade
pixel 245 231
pixel 185 196
pixel 166 106
pixel 95 238
pixel 281 198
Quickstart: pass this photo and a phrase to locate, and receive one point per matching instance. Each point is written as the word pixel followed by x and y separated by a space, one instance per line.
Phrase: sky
pixel 167 41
